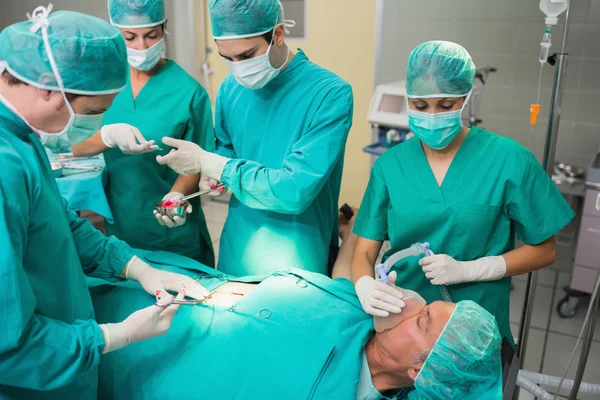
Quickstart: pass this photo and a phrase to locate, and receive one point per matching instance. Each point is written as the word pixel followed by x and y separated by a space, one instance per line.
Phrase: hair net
pixel 439 68
pixel 89 53
pixel 237 19
pixel 465 361
pixel 136 13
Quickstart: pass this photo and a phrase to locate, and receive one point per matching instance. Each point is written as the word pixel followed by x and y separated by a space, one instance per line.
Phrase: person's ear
pixel 164 29
pixel 279 35
pixel 414 371
pixel 54 98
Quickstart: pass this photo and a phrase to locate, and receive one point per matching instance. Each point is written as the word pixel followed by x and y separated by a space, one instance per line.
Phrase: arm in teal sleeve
pixel 224 145
pixel 371 221
pixel 293 187
pixel 100 256
pixel 536 206
pixel 200 128
pixel 36 352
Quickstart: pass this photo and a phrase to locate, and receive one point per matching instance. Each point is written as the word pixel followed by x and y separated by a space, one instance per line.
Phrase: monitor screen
pixel 392 104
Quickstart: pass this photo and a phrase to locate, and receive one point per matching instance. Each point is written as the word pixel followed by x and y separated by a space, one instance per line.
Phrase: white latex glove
pixel 377 298
pixel 441 269
pixel 141 325
pixel 176 221
pixel 207 183
pixel 128 138
pixel 156 281
pixel 187 158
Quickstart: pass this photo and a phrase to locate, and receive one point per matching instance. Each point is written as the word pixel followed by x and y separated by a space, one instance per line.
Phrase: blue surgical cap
pixel 465 362
pixel 437 68
pixel 237 19
pixel 136 13
pixel 90 54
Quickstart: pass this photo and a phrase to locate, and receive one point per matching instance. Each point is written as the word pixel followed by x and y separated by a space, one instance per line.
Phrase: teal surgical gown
pixel 50 345
pixel 172 104
pixel 297 335
pixel 287 145
pixel 494 189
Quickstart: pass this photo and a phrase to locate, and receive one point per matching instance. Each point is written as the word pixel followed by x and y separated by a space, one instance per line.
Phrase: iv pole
pixel 560 75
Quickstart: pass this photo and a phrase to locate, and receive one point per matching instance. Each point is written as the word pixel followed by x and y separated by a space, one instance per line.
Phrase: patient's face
pixel 417 334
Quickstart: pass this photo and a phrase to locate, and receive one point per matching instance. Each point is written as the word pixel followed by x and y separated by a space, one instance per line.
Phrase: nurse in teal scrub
pixel 281 125
pixel 160 100
pixel 464 190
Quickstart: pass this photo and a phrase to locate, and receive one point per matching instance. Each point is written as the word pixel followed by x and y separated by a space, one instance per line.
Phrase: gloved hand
pixel 141 325
pixel 377 298
pixel 164 220
pixel 126 137
pixel 155 280
pixel 188 158
pixel 441 269
pixel 207 183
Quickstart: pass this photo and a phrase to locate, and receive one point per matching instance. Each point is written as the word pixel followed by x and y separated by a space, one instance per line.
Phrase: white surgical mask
pixel 80 127
pixel 145 60
pixel 256 72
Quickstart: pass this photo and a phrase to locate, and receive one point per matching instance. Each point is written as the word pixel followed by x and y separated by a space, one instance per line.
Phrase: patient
pixel 296 335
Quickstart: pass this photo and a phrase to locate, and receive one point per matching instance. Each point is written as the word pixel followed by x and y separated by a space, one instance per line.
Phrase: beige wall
pixel 346 46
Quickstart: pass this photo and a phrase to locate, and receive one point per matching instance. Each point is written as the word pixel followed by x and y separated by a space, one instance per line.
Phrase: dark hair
pixel 269 35
pixel 12 81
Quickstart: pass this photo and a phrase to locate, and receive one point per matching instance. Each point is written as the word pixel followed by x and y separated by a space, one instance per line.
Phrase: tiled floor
pixel 548 350
pixel 552 338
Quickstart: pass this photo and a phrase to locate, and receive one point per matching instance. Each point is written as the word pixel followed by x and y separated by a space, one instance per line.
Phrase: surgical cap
pixel 465 361
pixel 90 54
pixel 136 13
pixel 437 68
pixel 237 19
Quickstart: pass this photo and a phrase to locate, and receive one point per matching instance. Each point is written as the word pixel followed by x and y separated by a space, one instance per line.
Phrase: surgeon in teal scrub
pixel 464 190
pixel 58 74
pixel 160 100
pixel 281 126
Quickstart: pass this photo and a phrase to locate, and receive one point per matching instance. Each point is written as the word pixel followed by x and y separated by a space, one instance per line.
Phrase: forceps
pixel 163 302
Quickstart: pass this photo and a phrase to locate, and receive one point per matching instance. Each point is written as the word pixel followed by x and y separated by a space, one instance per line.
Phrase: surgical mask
pixel 256 72
pixel 436 130
pixel 145 60
pixel 80 127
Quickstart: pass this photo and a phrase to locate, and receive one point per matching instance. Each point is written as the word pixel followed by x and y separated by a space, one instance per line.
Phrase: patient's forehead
pixel 439 315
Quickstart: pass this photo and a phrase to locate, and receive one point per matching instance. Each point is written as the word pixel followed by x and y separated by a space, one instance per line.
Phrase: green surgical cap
pixel 465 361
pixel 237 19
pixel 136 13
pixel 437 68
pixel 90 54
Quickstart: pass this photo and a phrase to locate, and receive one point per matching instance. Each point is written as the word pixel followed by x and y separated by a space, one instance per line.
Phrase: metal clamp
pixel 264 313
pixel 301 283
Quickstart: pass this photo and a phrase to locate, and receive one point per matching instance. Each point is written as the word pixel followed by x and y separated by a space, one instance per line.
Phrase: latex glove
pixel 207 183
pixel 128 138
pixel 188 158
pixel 176 221
pixel 141 325
pixel 441 269
pixel 377 298
pixel 155 281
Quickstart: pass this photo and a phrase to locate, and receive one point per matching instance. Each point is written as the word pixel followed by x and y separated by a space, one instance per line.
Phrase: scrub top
pixel 493 189
pixel 50 345
pixel 286 142
pixel 172 104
